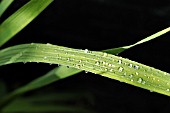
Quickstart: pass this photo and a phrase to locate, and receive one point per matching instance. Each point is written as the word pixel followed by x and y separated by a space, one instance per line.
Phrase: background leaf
pixel 17 21
pixel 4 4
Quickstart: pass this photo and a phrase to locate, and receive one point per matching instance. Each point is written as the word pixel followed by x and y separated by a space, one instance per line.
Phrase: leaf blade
pixel 96 62
pixel 4 5
pixel 21 18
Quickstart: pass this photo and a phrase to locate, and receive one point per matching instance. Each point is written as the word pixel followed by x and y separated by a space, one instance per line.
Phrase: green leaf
pixel 16 22
pixel 63 71
pixel 50 77
pixel 107 65
pixel 4 4
pixel 121 49
pixel 3 89
pixel 50 103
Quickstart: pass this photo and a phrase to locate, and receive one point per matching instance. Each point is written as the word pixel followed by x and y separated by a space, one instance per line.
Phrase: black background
pixel 98 25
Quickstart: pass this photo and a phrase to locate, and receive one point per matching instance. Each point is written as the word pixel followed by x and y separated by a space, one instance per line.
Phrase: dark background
pixel 98 25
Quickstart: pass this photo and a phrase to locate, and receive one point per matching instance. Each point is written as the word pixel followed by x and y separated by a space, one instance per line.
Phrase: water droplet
pixel 165 73
pixel 130 76
pixel 104 63
pixel 120 69
pixel 80 61
pixel 45 57
pixel 137 73
pixel 167 89
pixel 86 51
pixel 24 62
pixel 136 67
pixel 48 44
pixel 68 59
pixel 106 69
pixel 140 80
pixel 104 54
pixel 119 61
pixel 86 71
pixel 110 65
pixel 124 74
pixel 130 65
pixel 78 66
pixel 143 82
pixel 131 80
pixel 111 70
pixel 97 63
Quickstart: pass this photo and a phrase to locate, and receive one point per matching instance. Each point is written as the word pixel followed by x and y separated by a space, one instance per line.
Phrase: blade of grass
pixel 63 71
pixel 4 4
pixel 49 101
pixel 16 22
pixel 121 49
pixel 107 65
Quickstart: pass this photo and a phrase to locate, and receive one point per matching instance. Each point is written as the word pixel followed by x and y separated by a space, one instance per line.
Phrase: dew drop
pixel 124 74
pixel 130 76
pixel 137 73
pixel 86 51
pixel 119 61
pixel 80 61
pixel 48 44
pixel 140 80
pixel 97 63
pixel 111 70
pixel 143 82
pixel 68 59
pixel 45 57
pixel 106 69
pixel 165 73
pixel 110 65
pixel 105 54
pixel 120 69
pixel 78 66
pixel 86 71
pixel 24 62
pixel 104 63
pixel 130 65
pixel 167 89
pixel 131 80
pixel 136 67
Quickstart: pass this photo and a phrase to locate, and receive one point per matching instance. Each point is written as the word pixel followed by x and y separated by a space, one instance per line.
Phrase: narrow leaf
pixel 4 4
pixel 121 49
pixel 101 63
pixel 16 22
